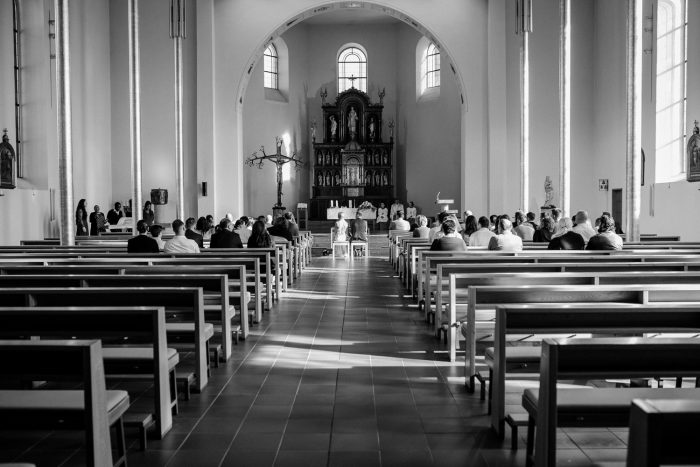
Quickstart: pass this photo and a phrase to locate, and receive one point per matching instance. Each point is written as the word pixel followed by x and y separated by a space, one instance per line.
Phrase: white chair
pixel 344 245
pixel 360 245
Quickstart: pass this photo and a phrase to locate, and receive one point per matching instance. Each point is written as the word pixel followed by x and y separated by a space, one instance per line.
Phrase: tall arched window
pixel 670 90
pixel 352 69
pixel 432 66
pixel 271 67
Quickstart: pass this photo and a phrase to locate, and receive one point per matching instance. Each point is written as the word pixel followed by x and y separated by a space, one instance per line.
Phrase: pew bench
pixel 589 359
pixel 93 409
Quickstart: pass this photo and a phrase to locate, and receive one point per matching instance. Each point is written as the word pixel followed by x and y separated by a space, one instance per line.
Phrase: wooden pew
pixel 485 299
pixel 185 301
pixel 588 359
pixel 93 409
pixel 220 312
pixel 663 432
pixel 573 319
pixel 145 325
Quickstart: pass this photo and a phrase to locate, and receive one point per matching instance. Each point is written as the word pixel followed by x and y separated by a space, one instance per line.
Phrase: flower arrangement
pixel 366 206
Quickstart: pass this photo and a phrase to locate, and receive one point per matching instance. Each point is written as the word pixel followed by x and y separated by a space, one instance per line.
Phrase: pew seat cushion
pixel 189 327
pixel 605 400
pixel 138 353
pixel 68 400
pixel 516 354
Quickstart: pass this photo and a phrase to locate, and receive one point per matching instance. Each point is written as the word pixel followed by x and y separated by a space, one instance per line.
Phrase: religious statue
pixel 377 159
pixel 385 179
pixel 548 191
pixel 371 129
pixel 327 158
pixel 7 163
pixel 324 94
pixel 352 121
pixel 336 158
pixel 334 127
pixel 377 178
pixel 368 177
pixel 279 160
pixel 382 93
pixel 385 157
pixel 319 157
pixel 319 179
pixel 336 179
pixel 391 128
pixel 329 182
pixel 693 155
pixel 313 130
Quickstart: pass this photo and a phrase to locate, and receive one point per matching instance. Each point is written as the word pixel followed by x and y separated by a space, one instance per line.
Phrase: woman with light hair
pixel 565 238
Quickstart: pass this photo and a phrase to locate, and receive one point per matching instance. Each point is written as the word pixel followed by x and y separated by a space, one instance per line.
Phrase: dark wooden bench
pixel 588 359
pixel 111 325
pixel 93 408
pixel 573 319
pixel 184 305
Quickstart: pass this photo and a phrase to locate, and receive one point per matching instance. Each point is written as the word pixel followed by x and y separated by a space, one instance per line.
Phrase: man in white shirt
pixel 583 226
pixel 483 236
pixel 179 243
pixel 506 240
pixel 400 223
pixel 395 208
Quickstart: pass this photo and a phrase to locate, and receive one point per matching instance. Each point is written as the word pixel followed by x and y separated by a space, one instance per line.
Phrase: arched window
pixel 432 66
pixel 271 67
pixel 670 90
pixel 352 69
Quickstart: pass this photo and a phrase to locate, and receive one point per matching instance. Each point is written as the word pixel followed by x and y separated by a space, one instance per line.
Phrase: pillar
pixel 565 106
pixel 634 119
pixel 178 33
pixel 135 109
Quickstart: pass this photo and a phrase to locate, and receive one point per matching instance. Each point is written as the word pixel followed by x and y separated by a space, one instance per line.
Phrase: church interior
pixel 378 188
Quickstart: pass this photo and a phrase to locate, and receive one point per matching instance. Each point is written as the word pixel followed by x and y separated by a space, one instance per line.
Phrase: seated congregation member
pixel 155 230
pixel 531 220
pixel 268 221
pixel 259 237
pixel 281 229
pixel 202 228
pixel 493 219
pixel 142 243
pixel 191 234
pixel 545 232
pixel 583 226
pixel 411 212
pixel 506 240
pixel 451 240
pixel 422 231
pixel 291 223
pixel 224 237
pixel 359 229
pixel 179 243
pixel 523 229
pixel 115 214
pixel 382 217
pixel 470 226
pixel 395 208
pixel 483 235
pixel 400 223
pixel 97 221
pixel 606 239
pixel 566 238
pixel 436 228
pixel 243 229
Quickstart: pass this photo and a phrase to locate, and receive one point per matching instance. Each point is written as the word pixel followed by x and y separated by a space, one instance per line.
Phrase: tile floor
pixel 342 372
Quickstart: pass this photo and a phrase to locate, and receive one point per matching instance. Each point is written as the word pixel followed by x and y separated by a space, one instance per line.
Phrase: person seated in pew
pixel 451 240
pixel 358 229
pixel 179 243
pixel 142 243
pixel 243 229
pixel 259 237
pixel 191 234
pixel 606 239
pixel 291 223
pixel 582 226
pixel 224 237
pixel 436 229
pixel 545 232
pixel 422 231
pixel 281 229
pixel 155 230
pixel 470 226
pixel 268 221
pixel 523 229
pixel 531 220
pixel 566 238
pixel 202 228
pixel 400 223
pixel 483 235
pixel 506 240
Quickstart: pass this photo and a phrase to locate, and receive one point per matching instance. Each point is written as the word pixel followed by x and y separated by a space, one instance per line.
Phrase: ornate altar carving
pixel 352 162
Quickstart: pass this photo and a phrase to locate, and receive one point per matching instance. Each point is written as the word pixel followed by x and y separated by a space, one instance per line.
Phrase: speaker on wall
pixel 204 188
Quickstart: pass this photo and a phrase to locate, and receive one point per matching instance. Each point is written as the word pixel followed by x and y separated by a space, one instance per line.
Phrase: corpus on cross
pixel 279 160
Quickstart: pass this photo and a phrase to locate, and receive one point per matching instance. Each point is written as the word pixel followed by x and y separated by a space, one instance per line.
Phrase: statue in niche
pixel 319 157
pixel 336 158
pixel 377 160
pixel 548 191
pixel 336 178
pixel 372 126
pixel 8 163
pixel 368 159
pixel 368 178
pixel 319 179
pixel 377 179
pixel 328 179
pixel 334 127
pixel 385 157
pixel 352 121
pixel 693 155
pixel 385 179
pixel 327 157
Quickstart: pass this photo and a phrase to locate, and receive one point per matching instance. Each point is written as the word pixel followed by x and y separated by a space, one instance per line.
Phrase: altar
pixel 352 163
pixel 367 214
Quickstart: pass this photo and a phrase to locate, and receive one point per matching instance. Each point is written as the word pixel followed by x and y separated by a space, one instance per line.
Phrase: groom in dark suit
pixel 142 243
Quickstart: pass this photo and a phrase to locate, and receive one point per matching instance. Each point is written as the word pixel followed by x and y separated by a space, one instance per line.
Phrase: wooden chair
pixel 93 408
pixel 343 245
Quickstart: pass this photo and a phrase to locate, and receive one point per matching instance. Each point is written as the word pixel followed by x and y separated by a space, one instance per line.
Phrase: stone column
pixel 565 106
pixel 178 33
pixel 524 27
pixel 64 127
pixel 634 119
pixel 135 109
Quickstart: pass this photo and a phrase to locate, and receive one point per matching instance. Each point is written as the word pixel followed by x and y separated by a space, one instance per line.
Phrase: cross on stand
pixel 352 79
pixel 279 160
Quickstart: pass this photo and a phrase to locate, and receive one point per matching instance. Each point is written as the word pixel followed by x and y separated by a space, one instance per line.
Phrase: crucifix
pixel 352 79
pixel 279 160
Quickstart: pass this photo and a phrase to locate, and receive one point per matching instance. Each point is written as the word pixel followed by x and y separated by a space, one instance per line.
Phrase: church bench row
pixel 184 304
pixel 93 409
pixel 515 321
pixel 144 327
pixel 550 407
pixel 483 300
pixel 217 307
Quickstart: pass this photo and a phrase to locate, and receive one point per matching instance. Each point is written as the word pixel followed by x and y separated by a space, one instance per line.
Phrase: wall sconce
pixel 204 188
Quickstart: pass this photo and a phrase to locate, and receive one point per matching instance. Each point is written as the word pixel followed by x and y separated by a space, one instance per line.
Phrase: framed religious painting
pixel 8 163
pixel 693 155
